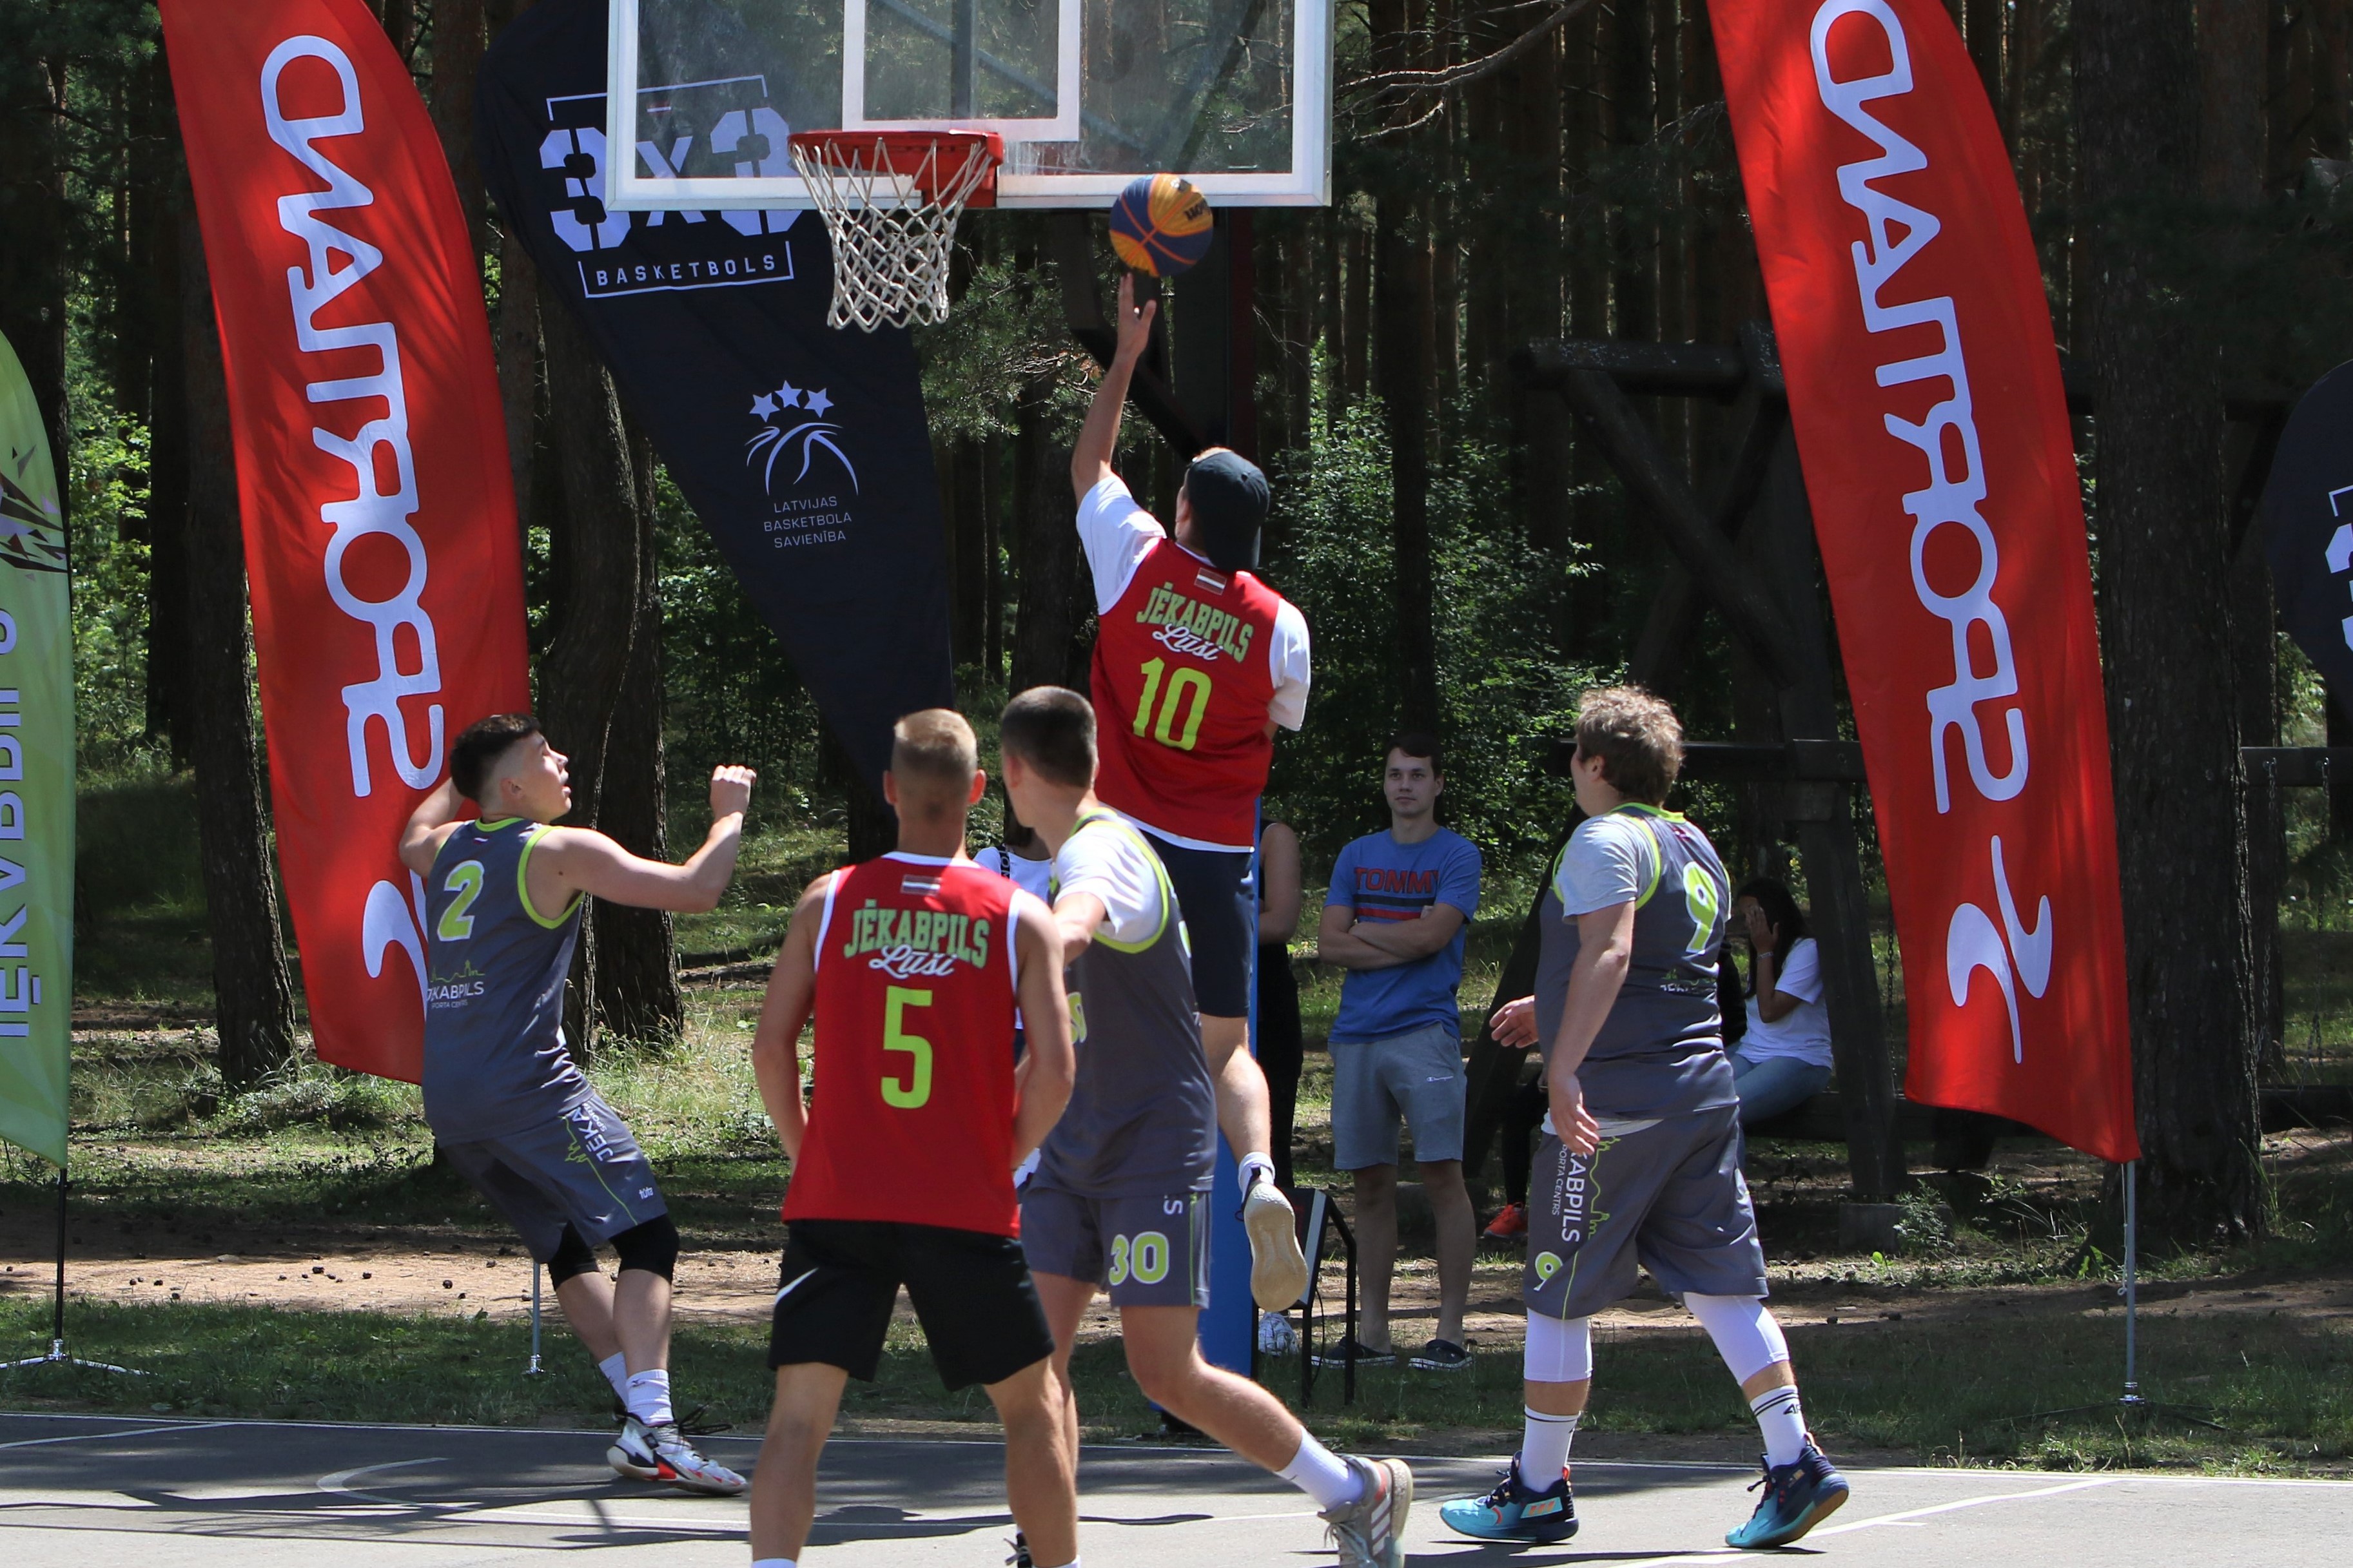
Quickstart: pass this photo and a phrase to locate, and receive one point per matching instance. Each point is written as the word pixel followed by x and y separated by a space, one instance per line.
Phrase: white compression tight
pixel 1745 1334
pixel 1558 1351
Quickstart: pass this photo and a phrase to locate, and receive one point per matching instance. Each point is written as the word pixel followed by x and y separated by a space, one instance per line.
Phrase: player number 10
pixel 1188 686
pixel 915 1088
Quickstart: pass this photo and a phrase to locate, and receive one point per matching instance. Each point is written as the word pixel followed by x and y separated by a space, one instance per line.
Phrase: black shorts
pixel 1219 896
pixel 972 1292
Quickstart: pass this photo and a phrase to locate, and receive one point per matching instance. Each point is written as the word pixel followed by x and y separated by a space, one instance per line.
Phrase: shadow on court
pixel 80 1490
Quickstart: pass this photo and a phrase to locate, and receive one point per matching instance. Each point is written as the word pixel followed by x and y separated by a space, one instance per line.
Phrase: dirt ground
pixel 411 1270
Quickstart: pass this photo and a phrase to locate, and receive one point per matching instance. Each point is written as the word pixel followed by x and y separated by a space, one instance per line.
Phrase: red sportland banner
pixel 372 471
pixel 1924 389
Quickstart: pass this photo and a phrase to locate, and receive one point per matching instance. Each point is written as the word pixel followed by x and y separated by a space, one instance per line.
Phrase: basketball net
pixel 890 200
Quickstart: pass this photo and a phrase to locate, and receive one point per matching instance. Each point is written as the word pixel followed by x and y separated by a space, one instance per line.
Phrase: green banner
pixel 36 781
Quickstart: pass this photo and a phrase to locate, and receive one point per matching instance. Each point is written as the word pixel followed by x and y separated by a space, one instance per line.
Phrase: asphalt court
pixel 164 1494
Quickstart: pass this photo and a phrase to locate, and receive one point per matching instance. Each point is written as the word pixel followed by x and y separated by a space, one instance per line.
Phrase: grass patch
pixel 1939 1392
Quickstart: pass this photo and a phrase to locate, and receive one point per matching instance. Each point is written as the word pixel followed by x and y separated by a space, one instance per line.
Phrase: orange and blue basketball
pixel 1160 224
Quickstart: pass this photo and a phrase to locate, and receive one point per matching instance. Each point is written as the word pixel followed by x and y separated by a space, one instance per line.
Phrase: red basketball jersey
pixel 1181 681
pixel 911 1115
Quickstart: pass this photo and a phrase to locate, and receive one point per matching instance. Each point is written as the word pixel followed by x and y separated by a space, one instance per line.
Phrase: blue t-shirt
pixel 1382 879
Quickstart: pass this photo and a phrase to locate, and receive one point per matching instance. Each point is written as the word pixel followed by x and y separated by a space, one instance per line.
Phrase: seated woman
pixel 1784 1055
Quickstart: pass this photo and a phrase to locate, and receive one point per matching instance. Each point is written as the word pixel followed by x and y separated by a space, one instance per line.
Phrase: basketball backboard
pixel 1235 95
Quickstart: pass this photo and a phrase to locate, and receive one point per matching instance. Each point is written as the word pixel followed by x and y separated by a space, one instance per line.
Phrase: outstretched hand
pixel 1513 1026
pixel 731 790
pixel 1135 323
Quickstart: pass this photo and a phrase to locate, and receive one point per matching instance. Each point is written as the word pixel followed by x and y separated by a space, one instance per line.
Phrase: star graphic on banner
pixel 788 395
pixel 763 405
pixel 819 402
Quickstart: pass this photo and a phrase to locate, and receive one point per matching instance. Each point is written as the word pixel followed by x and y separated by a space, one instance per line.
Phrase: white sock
pixel 1780 1417
pixel 647 1393
pixel 1322 1474
pixel 615 1368
pixel 1544 1446
pixel 1256 1168
pixel 1074 1562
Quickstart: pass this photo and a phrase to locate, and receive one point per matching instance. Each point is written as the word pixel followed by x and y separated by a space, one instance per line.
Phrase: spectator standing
pixel 1396 918
pixel 1783 1059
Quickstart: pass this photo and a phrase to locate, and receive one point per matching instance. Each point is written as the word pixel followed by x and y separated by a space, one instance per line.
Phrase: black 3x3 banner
pixel 802 448
pixel 2308 528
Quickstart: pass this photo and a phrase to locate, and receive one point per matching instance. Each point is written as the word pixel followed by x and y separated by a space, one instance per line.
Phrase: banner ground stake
pixel 56 1356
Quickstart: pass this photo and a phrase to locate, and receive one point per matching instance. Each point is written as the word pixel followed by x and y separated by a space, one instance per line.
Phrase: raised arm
pixel 776 1042
pixel 571 861
pixel 429 826
pixel 1099 437
pixel 1050 1067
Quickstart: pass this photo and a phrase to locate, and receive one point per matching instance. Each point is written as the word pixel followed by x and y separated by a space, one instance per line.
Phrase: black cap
pixel 1229 499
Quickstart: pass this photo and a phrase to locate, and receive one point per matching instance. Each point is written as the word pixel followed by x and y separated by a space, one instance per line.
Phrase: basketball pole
pixel 57 1356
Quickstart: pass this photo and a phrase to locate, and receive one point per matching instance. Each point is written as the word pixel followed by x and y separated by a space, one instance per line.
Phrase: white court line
pixel 1907 1516
pixel 102 1436
pixel 339 1482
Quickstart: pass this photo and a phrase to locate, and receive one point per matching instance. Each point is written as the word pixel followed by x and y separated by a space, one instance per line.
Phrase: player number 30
pixel 1144 1256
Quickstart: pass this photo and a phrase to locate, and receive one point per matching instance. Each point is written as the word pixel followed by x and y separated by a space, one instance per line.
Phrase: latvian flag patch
pixel 920 884
pixel 1209 582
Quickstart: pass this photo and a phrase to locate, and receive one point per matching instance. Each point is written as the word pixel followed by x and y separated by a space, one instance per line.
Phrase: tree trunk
pixel 253 1002
pixel 517 345
pixel 637 996
pixel 1048 647
pixel 2165 559
pixel 34 271
pixel 168 490
pixel 1401 298
pixel 596 573
pixel 457 44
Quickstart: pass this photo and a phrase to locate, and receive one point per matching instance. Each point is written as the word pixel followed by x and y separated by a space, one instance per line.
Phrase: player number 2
pixel 1144 1256
pixel 916 1088
pixel 465 879
pixel 1187 687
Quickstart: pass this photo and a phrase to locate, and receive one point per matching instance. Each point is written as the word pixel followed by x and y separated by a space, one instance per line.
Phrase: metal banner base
pixel 56 1356
pixel 2132 1401
pixel 535 1369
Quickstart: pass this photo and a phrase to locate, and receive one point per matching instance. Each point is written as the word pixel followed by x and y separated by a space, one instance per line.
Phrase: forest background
pixel 1507 172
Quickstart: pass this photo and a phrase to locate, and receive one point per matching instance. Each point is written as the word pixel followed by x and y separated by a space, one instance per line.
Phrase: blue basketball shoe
pixel 1516 1512
pixel 1798 1496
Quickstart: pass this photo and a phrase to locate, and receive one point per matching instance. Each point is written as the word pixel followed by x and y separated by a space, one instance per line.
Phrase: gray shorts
pixel 1417 1076
pixel 580 1167
pixel 1667 1195
pixel 1147 1251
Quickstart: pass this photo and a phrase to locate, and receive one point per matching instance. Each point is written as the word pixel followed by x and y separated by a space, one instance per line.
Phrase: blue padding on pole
pixel 1229 1327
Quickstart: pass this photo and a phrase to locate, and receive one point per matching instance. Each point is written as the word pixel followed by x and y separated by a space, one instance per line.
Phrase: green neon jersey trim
pixel 522 881
pixel 1167 889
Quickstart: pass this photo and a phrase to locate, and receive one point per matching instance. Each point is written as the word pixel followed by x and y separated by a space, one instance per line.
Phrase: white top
pixel 1803 1032
pixel 1117 534
pixel 1116 868
pixel 1032 877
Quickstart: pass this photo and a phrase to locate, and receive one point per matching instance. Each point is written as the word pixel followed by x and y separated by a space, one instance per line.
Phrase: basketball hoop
pixel 890 200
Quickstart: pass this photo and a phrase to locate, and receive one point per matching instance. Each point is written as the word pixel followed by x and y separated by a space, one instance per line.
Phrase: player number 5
pixel 1190 688
pixel 915 1089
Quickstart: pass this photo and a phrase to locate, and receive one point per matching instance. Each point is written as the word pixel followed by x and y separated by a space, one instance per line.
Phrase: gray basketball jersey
pixel 1660 1050
pixel 495 1060
pixel 1143 1117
